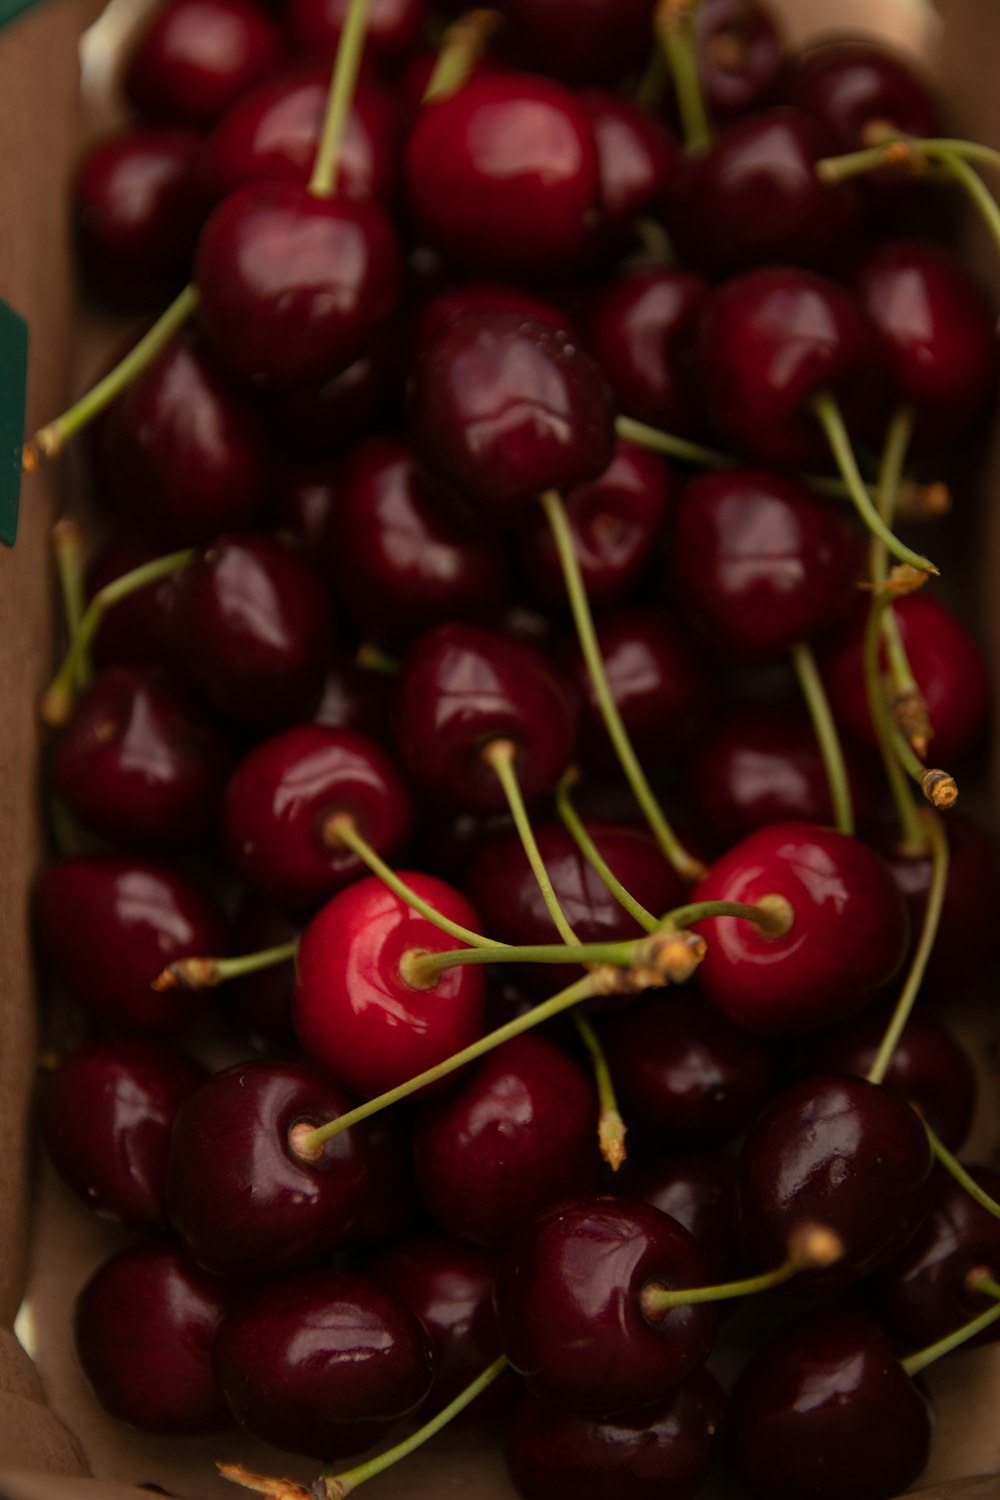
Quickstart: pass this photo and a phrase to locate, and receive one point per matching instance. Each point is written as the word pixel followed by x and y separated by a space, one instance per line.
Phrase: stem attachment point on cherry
pixel 811 1247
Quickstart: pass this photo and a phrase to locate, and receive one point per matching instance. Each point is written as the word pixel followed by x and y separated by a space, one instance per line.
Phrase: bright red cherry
pixel 637 157
pixel 195 56
pixel 395 27
pixel 581 41
pixel 853 83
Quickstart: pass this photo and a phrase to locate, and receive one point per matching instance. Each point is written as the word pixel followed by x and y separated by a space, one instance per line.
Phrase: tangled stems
pixel 825 730
pixel 577 831
pixel 500 756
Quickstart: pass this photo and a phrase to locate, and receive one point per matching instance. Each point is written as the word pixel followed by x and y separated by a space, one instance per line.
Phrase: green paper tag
pixel 13 385
pixel 11 8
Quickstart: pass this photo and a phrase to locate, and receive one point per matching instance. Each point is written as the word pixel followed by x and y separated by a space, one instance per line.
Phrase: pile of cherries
pixel 480 608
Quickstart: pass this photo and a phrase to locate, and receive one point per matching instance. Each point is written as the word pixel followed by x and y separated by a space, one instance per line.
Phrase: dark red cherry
pixel 283 797
pixel 504 407
pixel 847 936
pixel 139 628
pixel 327 418
pixel 293 287
pixel 459 689
pixel 827 1410
pixel 389 1207
pixel 253 628
pixel 754 197
pixel 642 330
pixel 770 341
pixel 568 1298
pixel 699 1190
pixel 144 1328
pixel 109 924
pixel 354 698
pixel 302 500
pixel 662 1452
pixel 520 1132
pixel 637 157
pixel 239 1193
pixel 138 210
pixel 429 319
pixel 617 520
pixel 138 762
pixel 756 766
pixel 841 1152
pixel 195 56
pixel 853 83
pixel 581 41
pixel 760 562
pixel 355 1014
pixel 259 1005
pixel 740 55
pixel 686 1076
pixel 395 27
pixel 107 1113
pixel 946 662
pixel 503 176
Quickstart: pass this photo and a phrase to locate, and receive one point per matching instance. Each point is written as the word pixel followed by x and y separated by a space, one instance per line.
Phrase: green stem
pixel 905 687
pixel 499 755
pixel 935 148
pixel 675 27
pixel 924 1357
pixel 323 182
pixel 371 658
pixel 206 973
pixel 932 920
pixel 463 44
pixel 656 1300
pixel 825 730
pixel 578 832
pixel 684 863
pixel 67 549
pixel 772 914
pixel 611 1128
pixel 653 83
pixel 422 969
pixel 975 189
pixel 955 1169
pixel 913 828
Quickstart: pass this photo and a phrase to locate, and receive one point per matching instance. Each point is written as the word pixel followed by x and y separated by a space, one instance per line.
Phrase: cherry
pixel 687 1077
pixel 642 327
pixel 841 1152
pixel 636 159
pixel 503 407
pixel 754 197
pixel 303 498
pixel 594 42
pixel 504 176
pixel 852 84
pixel 520 1132
pixel 253 626
pixel 395 27
pixel 326 418
pixel 389 1206
pixel 946 663
pixel 108 924
pixel 324 1363
pixel 847 936
pixel 662 1452
pixel 244 1200
pixel 106 1116
pixel 698 1189
pixel 762 562
pixel 430 317
pixel 354 698
pixel 138 763
pixel 740 56
pixel 461 688
pixel 355 1013
pixel 827 1410
pixel 283 798
pixel 139 628
pixel 195 56
pixel 293 287
pixel 569 1303
pixel 146 1298
pixel 617 521
pixel 770 341
pixel 259 1004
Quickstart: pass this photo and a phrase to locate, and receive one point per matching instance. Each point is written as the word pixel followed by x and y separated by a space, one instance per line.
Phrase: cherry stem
pixel 674 24
pixel 206 973
pixel 914 1363
pixel 773 916
pixel 574 826
pixel 813 1246
pixel 421 968
pixel 500 756
pixel 67 550
pixel 611 1128
pixel 938 843
pixel 343 83
pixel 825 729
pixel 341 829
pixel 910 709
pixel 653 83
pixel 913 828
pixel 371 658
pixel 964 1179
pixel 462 46
pixel 684 863
pixel 57 700
pixel 975 189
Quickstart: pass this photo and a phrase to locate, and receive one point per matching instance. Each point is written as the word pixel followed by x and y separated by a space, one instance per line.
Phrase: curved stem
pixel 463 44
pixel 500 756
pixel 825 729
pixel 578 832
pixel 656 1300
pixel 976 190
pixel 611 1128
pixel 911 710
pixel 684 863
pixel 206 973
pixel 914 1363
pixel 913 827
pixel 772 914
pixel 674 23
pixel 343 82
pixel 964 1179
pixel 370 658
pixel 67 549
pixel 644 436
pixel 890 478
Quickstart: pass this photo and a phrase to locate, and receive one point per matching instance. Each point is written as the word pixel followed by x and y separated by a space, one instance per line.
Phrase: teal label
pixel 11 8
pixel 13 385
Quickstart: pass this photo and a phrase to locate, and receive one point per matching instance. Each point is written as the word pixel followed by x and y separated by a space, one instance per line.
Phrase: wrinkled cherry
pixel 194 57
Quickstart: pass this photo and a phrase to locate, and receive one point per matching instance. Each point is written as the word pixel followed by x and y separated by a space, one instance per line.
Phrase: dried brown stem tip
pixel 909 711
pixel 669 956
pixel 611 1134
pixel 279 1489
pixel 46 443
pixel 188 974
pixel 814 1246
pixel 939 788
pixel 904 580
pixel 671 14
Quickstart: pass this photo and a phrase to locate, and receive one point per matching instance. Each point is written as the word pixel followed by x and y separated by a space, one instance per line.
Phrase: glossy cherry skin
pixel 740 55
pixel 922 1294
pixel 848 934
pixel 153 1298
pixel 259 1005
pixel 196 56
pixel 827 1410
pixel 355 1014
pixel 686 1076
pixel 292 287
pixel 841 1152
pixel 109 924
pixel 324 1363
pixel 395 27
pixel 188 451
pixel 354 698
pixel 852 83
pixel 138 762
pixel 253 628
pixel 431 316
pixel 760 562
pixel 139 628
pixel 636 159
pixel 503 176
pixel 242 1198
pixel 106 1117
pixel 754 198
pixel 504 407
pixel 771 340
pixel 699 1190
pixel 280 800
pixel 520 1132
pixel 460 688
pixel 662 1452
pixel 568 1303
pixel 642 329
pixel 618 522
pixel 756 766
pixel 593 42
pixel 947 664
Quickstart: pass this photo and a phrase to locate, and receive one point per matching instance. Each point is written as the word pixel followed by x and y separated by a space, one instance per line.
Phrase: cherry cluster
pixel 501 618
